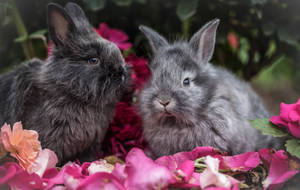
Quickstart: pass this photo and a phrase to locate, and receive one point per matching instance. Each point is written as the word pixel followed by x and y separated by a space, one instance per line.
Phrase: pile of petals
pixel 202 168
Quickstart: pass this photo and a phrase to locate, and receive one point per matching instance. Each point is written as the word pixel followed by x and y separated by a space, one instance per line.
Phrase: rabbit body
pixel 189 102
pixel 69 99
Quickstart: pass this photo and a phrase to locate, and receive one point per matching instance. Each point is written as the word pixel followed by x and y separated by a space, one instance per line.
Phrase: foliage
pixel 267 128
pixel 293 147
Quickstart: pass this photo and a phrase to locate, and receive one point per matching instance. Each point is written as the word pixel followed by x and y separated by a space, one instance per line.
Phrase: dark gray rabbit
pixel 69 99
pixel 188 102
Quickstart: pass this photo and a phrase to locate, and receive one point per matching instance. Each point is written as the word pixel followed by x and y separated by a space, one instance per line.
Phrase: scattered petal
pixel 211 176
pixel 143 173
pixel 242 162
pixel 279 171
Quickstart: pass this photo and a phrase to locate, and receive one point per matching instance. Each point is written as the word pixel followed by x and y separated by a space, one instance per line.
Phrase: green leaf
pixel 40 34
pixel 243 50
pixel 21 39
pixel 271 49
pixel 267 128
pixel 186 9
pixel 122 2
pixel 95 5
pixel 293 147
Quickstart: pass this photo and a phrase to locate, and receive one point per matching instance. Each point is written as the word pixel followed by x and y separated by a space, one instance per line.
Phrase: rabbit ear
pixel 203 42
pixel 59 24
pixel 77 15
pixel 156 41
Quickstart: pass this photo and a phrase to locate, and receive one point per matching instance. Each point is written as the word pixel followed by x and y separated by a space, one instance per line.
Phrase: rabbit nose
pixel 164 103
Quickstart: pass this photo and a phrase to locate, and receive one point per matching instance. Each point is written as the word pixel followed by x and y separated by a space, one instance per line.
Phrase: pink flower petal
pixel 141 71
pixel 46 159
pixel 266 155
pixel 113 35
pixel 7 171
pixel 172 161
pixel 187 167
pixel 70 175
pixel 276 120
pixel 242 162
pixel 279 171
pixel 25 181
pixel 211 176
pixel 143 173
pixel 119 172
pixel 100 180
pixel 294 116
pixel 284 110
pixel 294 129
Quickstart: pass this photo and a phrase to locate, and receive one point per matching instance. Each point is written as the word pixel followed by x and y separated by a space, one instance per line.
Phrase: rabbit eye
pixel 186 82
pixel 94 60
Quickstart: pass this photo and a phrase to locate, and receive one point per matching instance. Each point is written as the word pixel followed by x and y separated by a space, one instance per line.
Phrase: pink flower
pixel 211 176
pixel 233 40
pixel 116 36
pixel 280 171
pixel 141 72
pixel 143 173
pixel 22 144
pixel 289 118
pixel 125 131
pixel 242 162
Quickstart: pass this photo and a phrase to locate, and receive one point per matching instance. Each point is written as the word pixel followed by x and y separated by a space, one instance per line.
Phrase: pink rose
pixel 116 36
pixel 289 118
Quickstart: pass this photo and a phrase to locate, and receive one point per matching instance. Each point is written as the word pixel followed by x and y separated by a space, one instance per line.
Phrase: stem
pixel 185 27
pixel 21 29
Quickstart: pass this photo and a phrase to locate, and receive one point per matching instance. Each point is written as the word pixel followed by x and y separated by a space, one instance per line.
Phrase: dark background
pixel 267 33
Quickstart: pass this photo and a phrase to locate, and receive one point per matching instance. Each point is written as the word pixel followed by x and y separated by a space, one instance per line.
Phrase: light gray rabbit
pixel 188 102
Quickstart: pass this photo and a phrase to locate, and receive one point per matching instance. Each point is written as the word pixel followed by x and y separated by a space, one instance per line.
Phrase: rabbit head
pixel 82 64
pixel 181 84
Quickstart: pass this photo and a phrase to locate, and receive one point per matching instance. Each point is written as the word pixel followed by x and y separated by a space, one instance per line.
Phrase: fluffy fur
pixel 188 102
pixel 68 99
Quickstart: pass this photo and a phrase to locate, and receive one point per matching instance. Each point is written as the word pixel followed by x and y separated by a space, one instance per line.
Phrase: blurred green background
pixel 259 40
